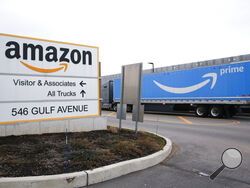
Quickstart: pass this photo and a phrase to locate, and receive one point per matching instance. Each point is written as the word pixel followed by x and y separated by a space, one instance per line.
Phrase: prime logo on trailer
pixel 45 80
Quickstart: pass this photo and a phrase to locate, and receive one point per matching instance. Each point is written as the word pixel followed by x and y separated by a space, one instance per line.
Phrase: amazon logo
pixel 28 51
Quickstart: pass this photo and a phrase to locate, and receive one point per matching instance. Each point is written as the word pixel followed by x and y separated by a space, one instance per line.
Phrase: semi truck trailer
pixel 215 88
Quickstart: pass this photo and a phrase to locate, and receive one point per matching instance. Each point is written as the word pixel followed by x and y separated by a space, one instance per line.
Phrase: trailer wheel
pixel 115 108
pixel 233 111
pixel 216 111
pixel 201 111
pixel 129 108
pixel 230 111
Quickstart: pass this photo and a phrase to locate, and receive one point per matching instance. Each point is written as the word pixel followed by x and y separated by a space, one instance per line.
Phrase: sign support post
pixel 121 99
pixel 130 93
pixel 99 75
pixel 138 98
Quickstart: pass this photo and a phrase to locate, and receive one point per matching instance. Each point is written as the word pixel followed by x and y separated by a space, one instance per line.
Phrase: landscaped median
pixel 134 147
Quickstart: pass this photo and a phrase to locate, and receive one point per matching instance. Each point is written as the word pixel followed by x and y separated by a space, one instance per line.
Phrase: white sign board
pixel 46 80
pixel 131 83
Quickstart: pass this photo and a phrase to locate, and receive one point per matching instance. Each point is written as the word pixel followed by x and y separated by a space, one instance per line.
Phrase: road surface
pixel 198 145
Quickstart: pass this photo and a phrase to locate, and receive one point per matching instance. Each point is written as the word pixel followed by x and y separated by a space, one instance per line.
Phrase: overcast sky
pixel 131 31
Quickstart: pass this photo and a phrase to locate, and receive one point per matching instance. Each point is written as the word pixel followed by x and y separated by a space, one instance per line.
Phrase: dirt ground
pixel 34 155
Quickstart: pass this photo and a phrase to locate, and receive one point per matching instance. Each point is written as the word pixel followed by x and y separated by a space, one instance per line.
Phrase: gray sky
pixel 161 31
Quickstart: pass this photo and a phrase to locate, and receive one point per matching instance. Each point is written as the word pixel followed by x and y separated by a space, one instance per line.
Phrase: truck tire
pixel 201 111
pixel 129 108
pixel 230 111
pixel 115 108
pixel 233 111
pixel 216 111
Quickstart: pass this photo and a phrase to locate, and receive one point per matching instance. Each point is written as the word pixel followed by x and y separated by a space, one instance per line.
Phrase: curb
pixel 89 177
pixel 122 168
pixel 75 179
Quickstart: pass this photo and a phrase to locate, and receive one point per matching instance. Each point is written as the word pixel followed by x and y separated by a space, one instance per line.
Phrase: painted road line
pixel 235 122
pixel 110 114
pixel 185 120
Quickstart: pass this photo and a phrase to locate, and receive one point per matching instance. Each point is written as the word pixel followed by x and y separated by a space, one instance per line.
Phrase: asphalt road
pixel 198 145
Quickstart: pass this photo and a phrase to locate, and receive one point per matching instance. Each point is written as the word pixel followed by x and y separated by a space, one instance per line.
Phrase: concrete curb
pixel 76 179
pixel 84 178
pixel 122 168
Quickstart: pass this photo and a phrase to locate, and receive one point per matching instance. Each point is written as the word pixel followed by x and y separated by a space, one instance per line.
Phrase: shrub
pixel 148 144
pixel 82 143
pixel 113 129
pixel 127 149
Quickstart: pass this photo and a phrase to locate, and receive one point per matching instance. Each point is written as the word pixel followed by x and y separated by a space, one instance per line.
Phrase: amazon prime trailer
pixel 215 88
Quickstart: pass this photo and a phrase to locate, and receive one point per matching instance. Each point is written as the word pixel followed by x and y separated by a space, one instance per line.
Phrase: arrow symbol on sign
pixel 82 83
pixel 82 92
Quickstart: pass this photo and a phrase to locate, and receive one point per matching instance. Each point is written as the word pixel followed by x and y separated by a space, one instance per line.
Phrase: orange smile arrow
pixel 64 66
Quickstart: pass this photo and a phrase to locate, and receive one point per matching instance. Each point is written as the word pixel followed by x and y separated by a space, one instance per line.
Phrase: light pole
pixel 153 67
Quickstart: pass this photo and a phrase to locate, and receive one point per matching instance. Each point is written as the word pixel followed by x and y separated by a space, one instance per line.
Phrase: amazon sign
pixel 35 56
pixel 44 80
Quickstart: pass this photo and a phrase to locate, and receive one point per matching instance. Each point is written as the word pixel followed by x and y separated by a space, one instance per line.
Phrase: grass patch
pixel 159 139
pixel 127 149
pixel 80 143
pixel 33 155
